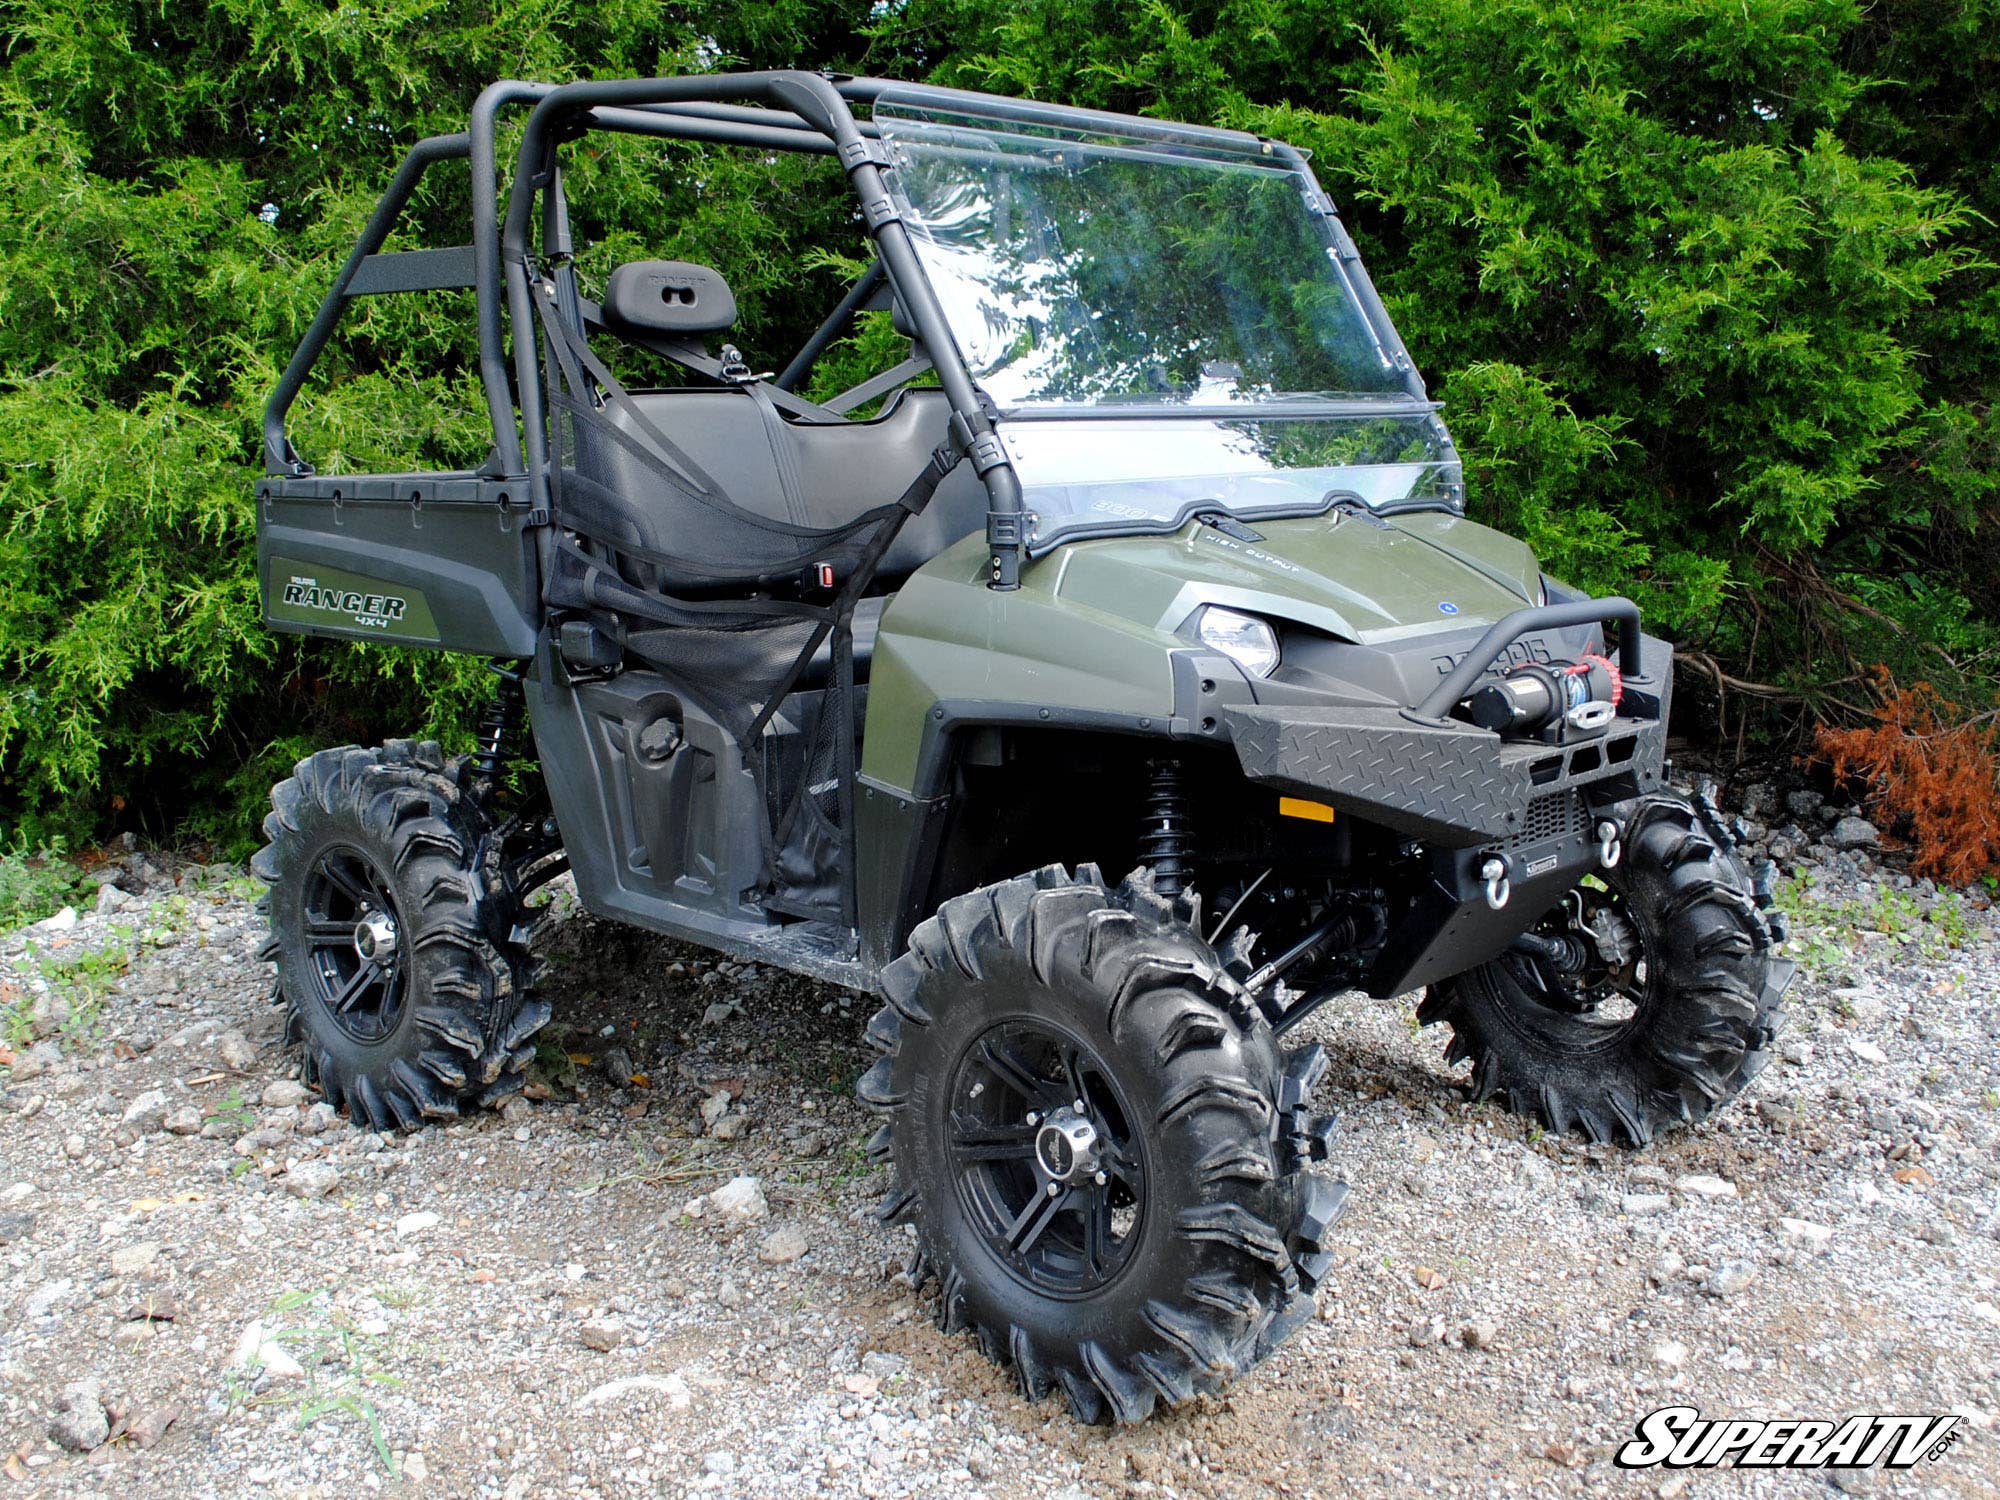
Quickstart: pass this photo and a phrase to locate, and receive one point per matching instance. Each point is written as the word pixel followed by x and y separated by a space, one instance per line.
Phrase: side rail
pixel 1460 680
pixel 368 271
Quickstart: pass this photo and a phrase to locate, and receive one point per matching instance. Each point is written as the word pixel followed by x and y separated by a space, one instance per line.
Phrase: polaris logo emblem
pixel 1446 607
pixel 374 610
pixel 1528 648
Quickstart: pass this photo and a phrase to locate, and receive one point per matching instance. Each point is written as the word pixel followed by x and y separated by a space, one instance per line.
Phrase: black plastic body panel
pixel 670 842
pixel 897 841
pixel 458 543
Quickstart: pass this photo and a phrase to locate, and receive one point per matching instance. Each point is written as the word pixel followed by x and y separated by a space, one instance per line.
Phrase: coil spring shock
pixel 1166 846
pixel 500 728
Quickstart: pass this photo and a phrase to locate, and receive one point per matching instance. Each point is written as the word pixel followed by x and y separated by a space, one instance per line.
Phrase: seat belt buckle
pixel 821 579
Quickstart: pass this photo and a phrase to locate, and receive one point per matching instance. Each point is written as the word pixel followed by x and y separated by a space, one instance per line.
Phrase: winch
pixel 1580 696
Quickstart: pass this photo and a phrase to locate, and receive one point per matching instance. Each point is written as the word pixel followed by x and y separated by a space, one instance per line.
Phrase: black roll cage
pixel 781 111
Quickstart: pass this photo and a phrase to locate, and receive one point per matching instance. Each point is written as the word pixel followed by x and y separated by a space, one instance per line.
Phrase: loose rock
pixel 312 1179
pixel 80 1423
pixel 1730 1278
pixel 603 1334
pixel 617 1068
pixel 1854 833
pixel 1699 1185
pixel 258 1349
pixel 285 1093
pixel 783 1246
pixel 149 1426
pixel 741 1200
pixel 1804 1232
pixel 234 1051
pixel 672 1386
pixel 147 1112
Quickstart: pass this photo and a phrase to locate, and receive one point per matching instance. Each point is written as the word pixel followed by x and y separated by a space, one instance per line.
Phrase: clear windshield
pixel 1097 270
pixel 1113 475
pixel 1162 323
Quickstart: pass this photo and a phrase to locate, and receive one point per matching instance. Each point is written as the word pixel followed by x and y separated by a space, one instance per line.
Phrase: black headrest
pixel 884 297
pixel 669 296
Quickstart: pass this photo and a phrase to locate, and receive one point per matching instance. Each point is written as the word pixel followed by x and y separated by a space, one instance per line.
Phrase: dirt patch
pixel 550 1302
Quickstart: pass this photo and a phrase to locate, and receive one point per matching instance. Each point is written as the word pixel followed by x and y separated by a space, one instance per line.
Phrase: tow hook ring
pixel 1498 887
pixel 1610 844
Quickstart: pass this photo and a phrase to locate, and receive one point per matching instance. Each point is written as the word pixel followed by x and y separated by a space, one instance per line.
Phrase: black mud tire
pixel 1219 1264
pixel 453 1005
pixel 1702 1031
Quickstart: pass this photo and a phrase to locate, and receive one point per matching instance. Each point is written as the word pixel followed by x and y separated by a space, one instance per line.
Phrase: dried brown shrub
pixel 1934 770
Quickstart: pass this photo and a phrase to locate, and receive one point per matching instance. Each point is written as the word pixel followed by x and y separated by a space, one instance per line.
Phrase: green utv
pixel 1149 554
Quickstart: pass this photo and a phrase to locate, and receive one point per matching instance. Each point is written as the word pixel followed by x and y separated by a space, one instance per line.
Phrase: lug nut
pixel 1034 1117
pixel 1054 1188
pixel 1101 1178
pixel 1081 1108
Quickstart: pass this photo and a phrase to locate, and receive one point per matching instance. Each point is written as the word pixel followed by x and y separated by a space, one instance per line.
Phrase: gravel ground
pixel 209 1287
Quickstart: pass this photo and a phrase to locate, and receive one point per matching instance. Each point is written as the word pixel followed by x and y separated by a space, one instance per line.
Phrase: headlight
pixel 1246 640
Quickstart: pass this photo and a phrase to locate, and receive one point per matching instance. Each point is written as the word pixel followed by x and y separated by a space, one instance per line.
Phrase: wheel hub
pixel 1066 1146
pixel 1049 1165
pixel 375 935
pixel 355 957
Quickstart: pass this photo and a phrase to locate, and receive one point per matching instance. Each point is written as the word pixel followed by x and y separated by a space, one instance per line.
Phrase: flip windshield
pixel 1163 323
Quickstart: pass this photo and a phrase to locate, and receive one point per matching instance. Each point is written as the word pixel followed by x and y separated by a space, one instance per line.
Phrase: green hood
pixel 1356 577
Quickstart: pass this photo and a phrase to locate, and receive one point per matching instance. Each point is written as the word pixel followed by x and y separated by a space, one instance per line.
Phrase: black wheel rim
pixel 1607 999
pixel 1061 1219
pixel 357 964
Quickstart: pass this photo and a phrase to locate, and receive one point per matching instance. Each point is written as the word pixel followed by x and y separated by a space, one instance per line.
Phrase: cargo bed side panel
pixel 445 561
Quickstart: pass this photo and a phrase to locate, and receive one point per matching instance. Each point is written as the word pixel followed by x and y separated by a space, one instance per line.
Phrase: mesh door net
pixel 714 600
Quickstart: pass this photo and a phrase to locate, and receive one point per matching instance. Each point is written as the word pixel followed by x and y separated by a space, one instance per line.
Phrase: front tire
pixel 1099 1142
pixel 402 968
pixel 1665 1037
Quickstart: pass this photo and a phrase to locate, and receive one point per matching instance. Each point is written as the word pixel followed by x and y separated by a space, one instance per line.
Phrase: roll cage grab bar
pixel 784 111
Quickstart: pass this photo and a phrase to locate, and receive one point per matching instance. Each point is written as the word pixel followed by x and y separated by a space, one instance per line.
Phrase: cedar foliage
pixel 1934 775
pixel 1711 294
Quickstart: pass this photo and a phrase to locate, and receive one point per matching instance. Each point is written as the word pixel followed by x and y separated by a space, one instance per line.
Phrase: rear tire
pixel 1198 1250
pixel 403 971
pixel 1701 1022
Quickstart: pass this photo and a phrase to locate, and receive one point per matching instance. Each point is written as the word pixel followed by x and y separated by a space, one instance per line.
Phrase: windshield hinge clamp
pixel 862 152
pixel 879 211
pixel 982 447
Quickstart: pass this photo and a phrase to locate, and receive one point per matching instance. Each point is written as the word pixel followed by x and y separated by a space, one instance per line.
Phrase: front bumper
pixel 1441 782
pixel 1466 795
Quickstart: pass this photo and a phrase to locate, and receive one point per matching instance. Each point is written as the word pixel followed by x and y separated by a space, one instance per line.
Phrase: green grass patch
pixel 37 885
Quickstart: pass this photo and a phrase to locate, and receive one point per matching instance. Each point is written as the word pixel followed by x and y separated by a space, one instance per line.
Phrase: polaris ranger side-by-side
pixel 1148 555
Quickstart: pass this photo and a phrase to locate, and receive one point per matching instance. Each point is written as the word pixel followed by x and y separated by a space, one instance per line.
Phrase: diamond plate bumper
pixel 1439 780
